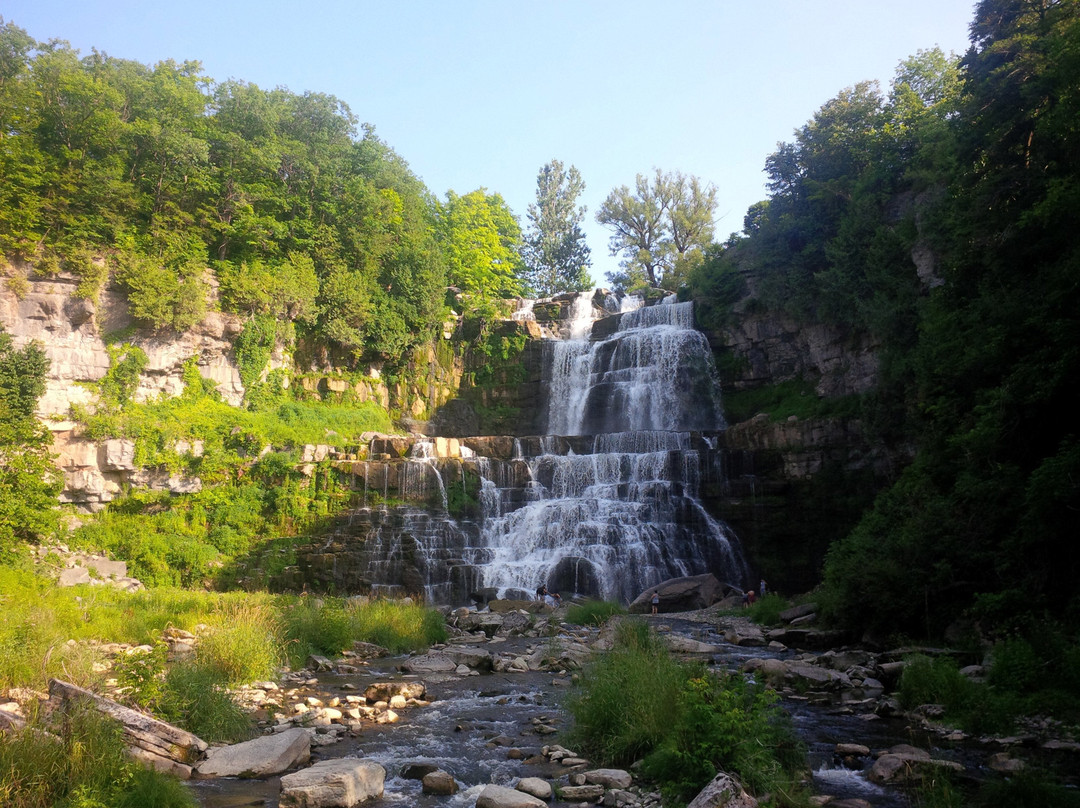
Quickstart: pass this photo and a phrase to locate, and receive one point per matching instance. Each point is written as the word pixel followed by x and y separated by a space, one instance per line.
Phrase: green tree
pixel 557 259
pixel 661 228
pixel 29 482
pixel 481 240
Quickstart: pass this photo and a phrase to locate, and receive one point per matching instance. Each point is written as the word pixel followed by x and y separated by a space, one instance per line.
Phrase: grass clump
pixel 684 721
pixel 80 762
pixel 592 612
pixel 194 697
pixel 972 705
pixel 624 708
pixel 244 643
pixel 766 610
pixel 330 626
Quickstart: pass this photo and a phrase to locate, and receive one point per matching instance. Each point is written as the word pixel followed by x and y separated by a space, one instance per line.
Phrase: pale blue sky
pixel 478 93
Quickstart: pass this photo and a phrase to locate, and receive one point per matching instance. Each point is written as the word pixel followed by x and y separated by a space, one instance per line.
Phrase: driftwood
pixel 151 740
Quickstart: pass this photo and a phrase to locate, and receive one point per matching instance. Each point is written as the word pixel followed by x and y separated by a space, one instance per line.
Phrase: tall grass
pixel 592 612
pixel 624 708
pixel 330 626
pixel 80 762
pixel 766 610
pixel 684 722
pixel 243 643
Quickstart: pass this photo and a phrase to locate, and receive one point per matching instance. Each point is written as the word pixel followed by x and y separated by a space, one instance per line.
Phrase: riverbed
pixel 491 728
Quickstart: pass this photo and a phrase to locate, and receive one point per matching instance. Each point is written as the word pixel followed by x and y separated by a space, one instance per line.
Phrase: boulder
pixel 681 594
pixel 609 778
pixel 384 691
pixel 439 783
pixel 429 663
pixel 535 786
pixel 795 612
pixel 262 757
pixel 586 793
pixel 502 797
pixel 723 791
pixel 340 783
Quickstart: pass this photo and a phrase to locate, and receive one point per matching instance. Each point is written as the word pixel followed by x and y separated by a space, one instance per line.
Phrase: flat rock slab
pixel 501 797
pixel 609 778
pixel 340 783
pixel 262 757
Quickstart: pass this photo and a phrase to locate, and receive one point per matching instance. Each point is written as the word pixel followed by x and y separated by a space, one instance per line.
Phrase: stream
pixel 486 729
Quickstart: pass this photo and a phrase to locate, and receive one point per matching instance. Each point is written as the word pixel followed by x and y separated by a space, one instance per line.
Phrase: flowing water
pixel 606 505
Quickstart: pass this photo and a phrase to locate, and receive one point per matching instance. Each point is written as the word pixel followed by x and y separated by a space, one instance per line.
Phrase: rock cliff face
pixel 73 332
pixel 772 347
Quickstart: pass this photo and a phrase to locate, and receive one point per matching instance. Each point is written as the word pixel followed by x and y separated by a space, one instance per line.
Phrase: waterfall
pixel 625 514
pixel 605 505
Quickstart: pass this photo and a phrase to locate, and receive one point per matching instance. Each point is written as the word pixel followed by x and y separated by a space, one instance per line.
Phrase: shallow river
pixel 473 723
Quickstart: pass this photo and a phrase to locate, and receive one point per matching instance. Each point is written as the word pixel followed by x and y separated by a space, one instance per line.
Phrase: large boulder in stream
pixel 262 757
pixel 340 783
pixel 502 797
pixel 681 594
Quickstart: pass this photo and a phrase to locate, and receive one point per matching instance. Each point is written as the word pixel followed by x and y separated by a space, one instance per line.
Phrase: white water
pixel 626 515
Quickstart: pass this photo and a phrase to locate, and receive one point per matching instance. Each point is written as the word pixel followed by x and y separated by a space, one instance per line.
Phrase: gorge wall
pixel 780 482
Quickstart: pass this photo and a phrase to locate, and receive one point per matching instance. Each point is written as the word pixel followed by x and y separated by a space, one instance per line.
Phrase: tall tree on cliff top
pixel 557 259
pixel 661 228
pixel 481 240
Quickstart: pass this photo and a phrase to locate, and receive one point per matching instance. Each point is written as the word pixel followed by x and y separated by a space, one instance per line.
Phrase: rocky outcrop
pixel 72 331
pixel 775 348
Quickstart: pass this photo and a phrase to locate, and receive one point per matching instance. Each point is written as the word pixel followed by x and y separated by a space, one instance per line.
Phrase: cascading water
pixel 605 505
pixel 624 513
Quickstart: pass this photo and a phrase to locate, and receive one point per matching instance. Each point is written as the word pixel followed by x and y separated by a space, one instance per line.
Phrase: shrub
pixel 686 722
pixel 766 610
pixel 79 762
pixel 624 707
pixel 973 706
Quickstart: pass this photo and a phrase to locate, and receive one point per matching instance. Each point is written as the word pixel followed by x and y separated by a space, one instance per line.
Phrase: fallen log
pixel 156 738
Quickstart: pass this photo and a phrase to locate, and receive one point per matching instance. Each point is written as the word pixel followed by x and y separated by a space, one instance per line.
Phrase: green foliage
pixel 556 257
pixel 726 724
pixel 29 482
pixel 252 350
pixel 481 240
pixel 194 697
pixel 157 173
pixel 661 228
pixel 624 707
pixel 765 611
pixel 80 761
pixel 687 723
pixel 243 643
pixel 118 385
pixel 592 612
pixel 330 626
pixel 783 400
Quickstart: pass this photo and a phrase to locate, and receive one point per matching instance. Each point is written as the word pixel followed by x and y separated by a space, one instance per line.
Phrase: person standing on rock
pixel 655 601
pixel 761 588
pixel 541 593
